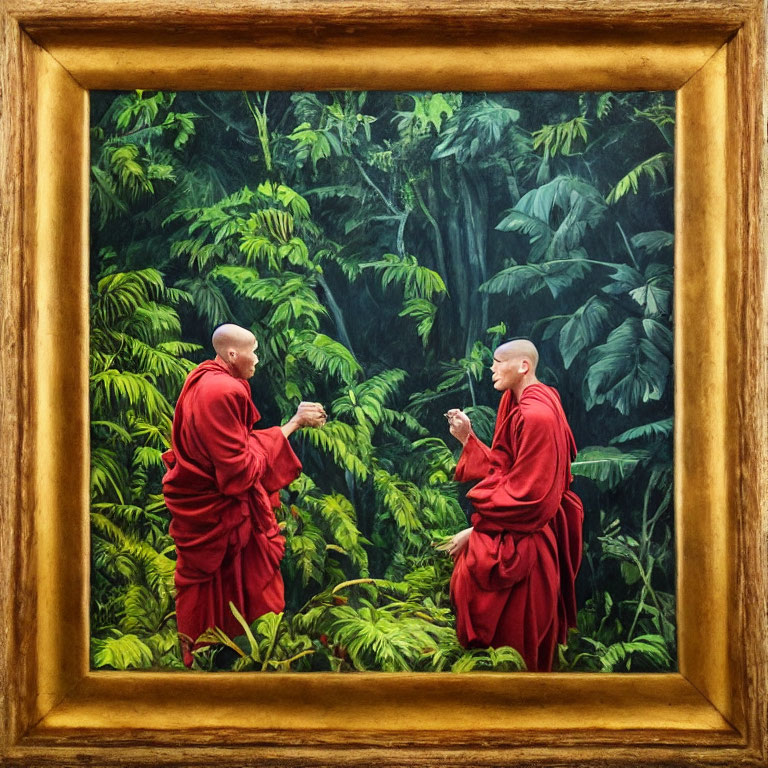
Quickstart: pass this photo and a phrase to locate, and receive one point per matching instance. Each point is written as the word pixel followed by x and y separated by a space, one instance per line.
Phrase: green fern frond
pixel 154 323
pixel 399 498
pixel 340 517
pixel 418 282
pixel 432 460
pixel 424 311
pixel 604 104
pixel 342 442
pixel 107 473
pixel 159 361
pixel 559 138
pixel 113 428
pixel 121 652
pixel 120 294
pixel 365 401
pixel 306 553
pixel 158 436
pixel 653 167
pixel 326 355
pixel 375 640
pixel 503 659
pixel 289 198
pixel 112 388
pixel 146 456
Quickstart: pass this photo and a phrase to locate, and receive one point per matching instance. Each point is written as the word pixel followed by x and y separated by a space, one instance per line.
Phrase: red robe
pixel 217 488
pixel 514 583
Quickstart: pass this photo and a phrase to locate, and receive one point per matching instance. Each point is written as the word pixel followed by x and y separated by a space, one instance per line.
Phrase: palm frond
pixel 653 168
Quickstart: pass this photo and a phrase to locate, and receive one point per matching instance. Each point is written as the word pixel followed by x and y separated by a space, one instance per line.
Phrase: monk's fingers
pixel 312 410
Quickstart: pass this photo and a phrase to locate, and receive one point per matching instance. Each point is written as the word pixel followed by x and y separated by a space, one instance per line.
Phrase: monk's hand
pixel 459 425
pixel 310 415
pixel 456 544
pixel 307 415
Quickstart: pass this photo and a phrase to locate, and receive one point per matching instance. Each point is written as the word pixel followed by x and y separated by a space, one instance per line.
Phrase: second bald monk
pixel 221 487
pixel 513 581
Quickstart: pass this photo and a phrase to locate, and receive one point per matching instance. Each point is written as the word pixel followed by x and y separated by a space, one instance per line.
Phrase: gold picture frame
pixel 55 711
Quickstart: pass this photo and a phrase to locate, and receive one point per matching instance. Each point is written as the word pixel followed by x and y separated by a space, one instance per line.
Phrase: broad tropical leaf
pixel 526 280
pixel 628 369
pixel 662 428
pixel 607 466
pixel 121 652
pixel 582 329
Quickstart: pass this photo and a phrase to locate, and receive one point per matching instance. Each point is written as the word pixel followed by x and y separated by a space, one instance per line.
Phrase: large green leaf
pixel 555 216
pixel 607 466
pixel 121 652
pixel 661 428
pixel 629 368
pixel 653 242
pixel 656 294
pixel 525 280
pixel 327 356
pixel 476 131
pixel 399 499
pixel 582 328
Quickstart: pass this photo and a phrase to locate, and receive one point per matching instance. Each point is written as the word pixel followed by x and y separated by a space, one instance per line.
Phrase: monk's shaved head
pixel 231 336
pixel 519 348
pixel 236 348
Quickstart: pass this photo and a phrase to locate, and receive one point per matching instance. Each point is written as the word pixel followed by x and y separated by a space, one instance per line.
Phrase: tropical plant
pixel 380 245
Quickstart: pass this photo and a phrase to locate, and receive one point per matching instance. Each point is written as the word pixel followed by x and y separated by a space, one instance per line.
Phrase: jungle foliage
pixel 380 245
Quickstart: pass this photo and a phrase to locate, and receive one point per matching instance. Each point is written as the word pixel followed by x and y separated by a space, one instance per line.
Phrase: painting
pixel 380 246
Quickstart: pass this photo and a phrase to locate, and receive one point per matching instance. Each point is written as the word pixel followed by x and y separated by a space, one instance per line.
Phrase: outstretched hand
pixel 310 415
pixel 307 415
pixel 459 424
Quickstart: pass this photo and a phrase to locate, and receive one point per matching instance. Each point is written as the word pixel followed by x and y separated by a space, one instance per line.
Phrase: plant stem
pixel 261 127
pixel 439 245
pixel 629 250
pixel 338 316
pixel 471 390
pixel 372 184
pixel 272 643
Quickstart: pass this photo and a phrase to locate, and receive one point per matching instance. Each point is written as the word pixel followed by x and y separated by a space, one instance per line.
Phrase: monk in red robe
pixel 221 487
pixel 513 579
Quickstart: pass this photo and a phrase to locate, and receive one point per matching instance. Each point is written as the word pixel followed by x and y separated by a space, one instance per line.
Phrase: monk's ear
pixel 525 366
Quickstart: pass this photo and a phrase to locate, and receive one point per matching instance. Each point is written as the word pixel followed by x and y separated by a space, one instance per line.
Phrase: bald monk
pixel 514 572
pixel 221 487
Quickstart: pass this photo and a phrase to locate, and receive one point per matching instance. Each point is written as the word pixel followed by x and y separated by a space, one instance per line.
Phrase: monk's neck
pixel 224 364
pixel 522 386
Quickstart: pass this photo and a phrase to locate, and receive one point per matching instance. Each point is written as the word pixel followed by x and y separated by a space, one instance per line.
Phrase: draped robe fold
pixel 220 488
pixel 514 583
